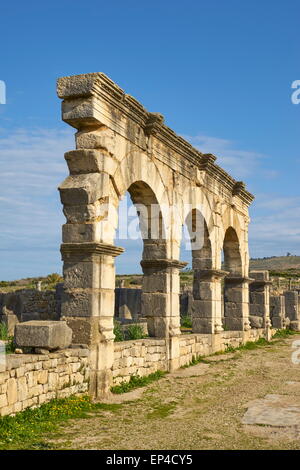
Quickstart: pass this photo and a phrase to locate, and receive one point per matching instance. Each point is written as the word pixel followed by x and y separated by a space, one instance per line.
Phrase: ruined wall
pixel 202 345
pixel 145 356
pixel 139 357
pixel 127 302
pixel 277 311
pixel 29 304
pixel 30 380
pixel 292 309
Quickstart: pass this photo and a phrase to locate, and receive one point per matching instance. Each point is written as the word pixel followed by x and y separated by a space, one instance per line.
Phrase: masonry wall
pixel 203 345
pixel 138 357
pixel 143 357
pixel 29 380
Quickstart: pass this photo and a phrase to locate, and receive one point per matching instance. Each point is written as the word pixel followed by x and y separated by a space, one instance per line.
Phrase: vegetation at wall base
pixel 132 332
pixel 186 321
pixel 284 333
pixel 9 340
pixel 25 430
pixel 250 345
pixel 136 382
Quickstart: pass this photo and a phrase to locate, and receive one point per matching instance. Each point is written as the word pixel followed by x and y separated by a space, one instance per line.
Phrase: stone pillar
pixel 277 311
pixel 207 304
pixel 292 309
pixel 260 299
pixel 236 303
pixel 88 305
pixel 160 296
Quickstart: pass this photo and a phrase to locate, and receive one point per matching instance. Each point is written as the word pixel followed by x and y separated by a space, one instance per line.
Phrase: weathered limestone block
pixel 277 311
pixel 259 292
pixel 12 391
pixel 48 335
pixel 90 161
pixel 84 188
pixel 292 309
pixel 128 303
pixel 236 303
pixel 101 138
pixel 207 298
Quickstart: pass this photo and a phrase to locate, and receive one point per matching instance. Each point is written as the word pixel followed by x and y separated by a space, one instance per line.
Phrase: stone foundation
pixel 145 356
pixel 29 380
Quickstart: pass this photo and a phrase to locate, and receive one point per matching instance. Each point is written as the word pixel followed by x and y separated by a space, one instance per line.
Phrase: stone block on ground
pixel 49 335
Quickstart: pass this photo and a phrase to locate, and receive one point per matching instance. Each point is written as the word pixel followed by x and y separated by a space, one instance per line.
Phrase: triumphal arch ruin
pixel 121 147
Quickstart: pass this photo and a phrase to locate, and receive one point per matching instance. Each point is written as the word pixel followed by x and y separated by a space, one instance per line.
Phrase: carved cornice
pixel 88 249
pixel 153 123
pixel 100 86
pixel 162 263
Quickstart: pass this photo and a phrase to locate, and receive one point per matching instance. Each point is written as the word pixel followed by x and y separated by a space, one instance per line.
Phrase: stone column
pixel 260 299
pixel 88 305
pixel 292 309
pixel 236 303
pixel 277 311
pixel 160 296
pixel 207 304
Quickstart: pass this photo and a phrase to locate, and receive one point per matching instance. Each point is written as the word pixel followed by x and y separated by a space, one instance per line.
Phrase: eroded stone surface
pixel 274 410
pixel 46 335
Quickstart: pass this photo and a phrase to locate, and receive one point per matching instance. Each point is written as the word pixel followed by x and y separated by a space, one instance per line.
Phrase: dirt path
pixel 203 407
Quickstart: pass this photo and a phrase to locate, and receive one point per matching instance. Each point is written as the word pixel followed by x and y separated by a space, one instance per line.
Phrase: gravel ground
pixel 201 407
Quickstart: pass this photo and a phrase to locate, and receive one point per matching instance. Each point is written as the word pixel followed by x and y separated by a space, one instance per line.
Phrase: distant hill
pixel 277 263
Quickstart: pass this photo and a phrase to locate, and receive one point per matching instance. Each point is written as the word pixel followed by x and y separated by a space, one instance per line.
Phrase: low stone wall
pixel 29 380
pixel 203 345
pixel 138 357
pixel 145 356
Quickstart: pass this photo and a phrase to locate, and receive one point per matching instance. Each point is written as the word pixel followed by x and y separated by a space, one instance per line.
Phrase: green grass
pixel 4 336
pixel 137 382
pixel 118 332
pixel 196 360
pixel 26 429
pixel 284 333
pixel 134 332
pixel 162 410
pixel 3 332
pixel 250 345
pixel 186 322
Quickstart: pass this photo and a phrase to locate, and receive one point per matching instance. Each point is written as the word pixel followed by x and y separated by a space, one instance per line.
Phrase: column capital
pixel 70 250
pixel 163 263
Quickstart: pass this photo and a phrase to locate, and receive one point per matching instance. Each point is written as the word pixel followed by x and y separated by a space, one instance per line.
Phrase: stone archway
pixel 121 146
pixel 236 284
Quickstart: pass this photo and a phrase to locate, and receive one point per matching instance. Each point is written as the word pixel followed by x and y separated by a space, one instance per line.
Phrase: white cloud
pixel 32 166
pixel 275 225
pixel 239 163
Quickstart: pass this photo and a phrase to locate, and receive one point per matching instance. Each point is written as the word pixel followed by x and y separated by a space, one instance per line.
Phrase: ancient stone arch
pixel 120 147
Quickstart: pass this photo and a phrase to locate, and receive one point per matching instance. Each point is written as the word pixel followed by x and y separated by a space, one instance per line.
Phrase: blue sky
pixel 220 72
